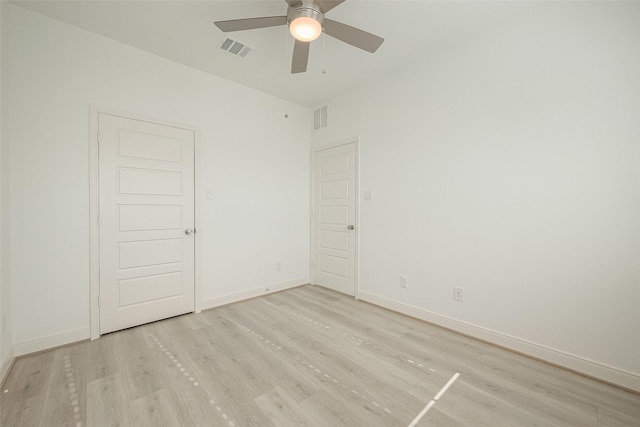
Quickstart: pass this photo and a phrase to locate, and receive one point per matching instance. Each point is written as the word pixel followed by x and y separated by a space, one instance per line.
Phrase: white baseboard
pixel 46 343
pixel 252 293
pixel 5 366
pixel 578 364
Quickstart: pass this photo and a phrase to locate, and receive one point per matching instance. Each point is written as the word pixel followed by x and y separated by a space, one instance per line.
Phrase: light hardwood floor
pixel 303 357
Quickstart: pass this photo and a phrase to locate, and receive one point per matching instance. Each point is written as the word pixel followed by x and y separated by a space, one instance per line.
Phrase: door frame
pixel 313 260
pixel 94 208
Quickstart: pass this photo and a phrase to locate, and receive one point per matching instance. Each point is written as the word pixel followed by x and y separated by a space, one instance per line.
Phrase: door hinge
pixel 99 218
pixel 99 299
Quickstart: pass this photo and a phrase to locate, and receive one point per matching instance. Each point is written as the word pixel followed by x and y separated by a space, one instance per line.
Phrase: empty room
pixel 319 213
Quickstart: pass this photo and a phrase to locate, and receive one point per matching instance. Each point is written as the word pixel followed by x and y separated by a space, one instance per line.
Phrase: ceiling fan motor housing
pixel 305 10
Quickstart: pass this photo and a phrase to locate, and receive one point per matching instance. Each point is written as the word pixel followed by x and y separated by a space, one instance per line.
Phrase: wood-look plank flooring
pixel 303 357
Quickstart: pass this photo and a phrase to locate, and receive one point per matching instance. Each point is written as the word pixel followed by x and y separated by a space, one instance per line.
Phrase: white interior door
pixel 335 196
pixel 146 175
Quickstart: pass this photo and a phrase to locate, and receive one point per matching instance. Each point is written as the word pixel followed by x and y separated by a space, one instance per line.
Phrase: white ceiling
pixel 183 31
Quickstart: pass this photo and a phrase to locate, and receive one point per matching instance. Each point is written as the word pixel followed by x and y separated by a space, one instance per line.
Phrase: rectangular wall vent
pixel 320 119
pixel 235 47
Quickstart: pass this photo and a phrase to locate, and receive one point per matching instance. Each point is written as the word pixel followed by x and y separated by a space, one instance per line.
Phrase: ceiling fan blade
pixel 326 5
pixel 293 2
pixel 300 57
pixel 251 23
pixel 354 36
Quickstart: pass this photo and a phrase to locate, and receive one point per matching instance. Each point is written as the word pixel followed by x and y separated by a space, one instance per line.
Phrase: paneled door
pixel 334 218
pixel 146 175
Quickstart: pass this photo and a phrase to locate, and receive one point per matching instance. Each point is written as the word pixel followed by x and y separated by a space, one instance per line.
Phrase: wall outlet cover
pixel 404 282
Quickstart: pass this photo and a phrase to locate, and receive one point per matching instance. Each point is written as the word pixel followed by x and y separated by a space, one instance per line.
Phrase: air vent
pixel 235 47
pixel 320 118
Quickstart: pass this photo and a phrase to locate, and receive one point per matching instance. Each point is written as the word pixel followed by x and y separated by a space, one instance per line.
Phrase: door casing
pixel 94 208
pixel 313 261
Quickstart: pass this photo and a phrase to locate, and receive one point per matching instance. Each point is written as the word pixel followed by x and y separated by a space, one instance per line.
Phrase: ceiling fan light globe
pixel 305 29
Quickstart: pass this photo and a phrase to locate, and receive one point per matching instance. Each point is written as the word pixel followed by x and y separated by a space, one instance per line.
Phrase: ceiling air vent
pixel 320 118
pixel 235 47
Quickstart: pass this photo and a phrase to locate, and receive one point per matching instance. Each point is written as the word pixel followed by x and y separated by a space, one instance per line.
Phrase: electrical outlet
pixel 278 266
pixel 458 294
pixel 404 281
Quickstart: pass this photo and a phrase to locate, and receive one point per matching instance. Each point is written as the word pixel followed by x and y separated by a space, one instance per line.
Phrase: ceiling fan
pixel 306 22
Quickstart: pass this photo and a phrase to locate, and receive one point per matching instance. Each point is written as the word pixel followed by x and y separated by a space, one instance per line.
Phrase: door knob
pixel 189 231
pixel 350 227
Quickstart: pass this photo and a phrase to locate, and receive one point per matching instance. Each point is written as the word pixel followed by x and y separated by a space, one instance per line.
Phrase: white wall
pixel 255 162
pixel 508 165
pixel 6 343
